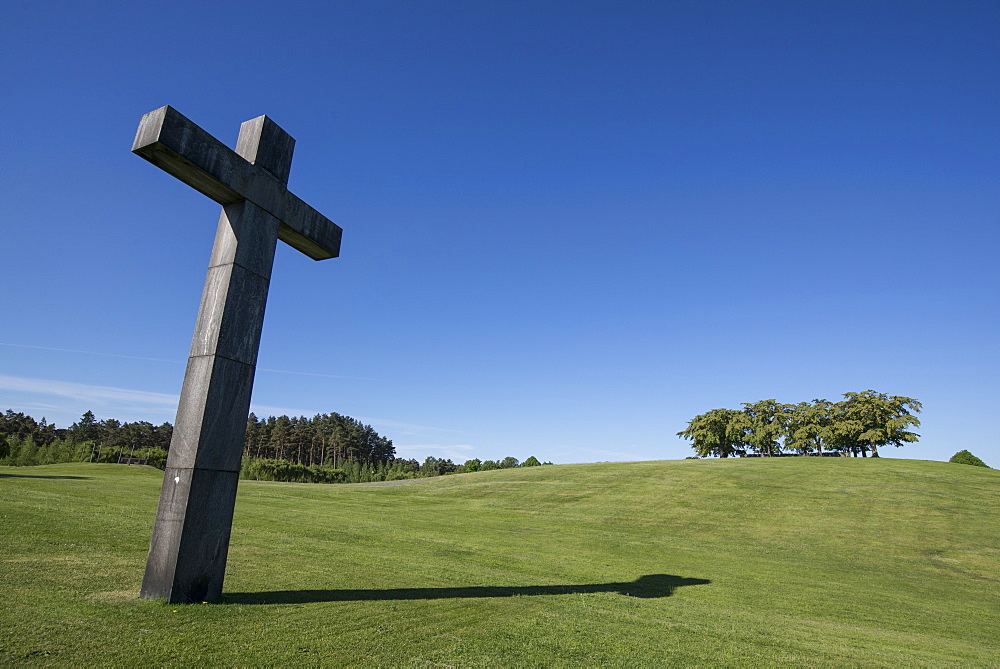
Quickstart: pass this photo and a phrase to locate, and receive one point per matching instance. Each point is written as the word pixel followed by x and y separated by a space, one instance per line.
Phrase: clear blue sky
pixel 568 226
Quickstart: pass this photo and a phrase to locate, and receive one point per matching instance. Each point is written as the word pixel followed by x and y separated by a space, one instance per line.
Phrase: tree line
pixel 25 441
pixel 327 448
pixel 859 424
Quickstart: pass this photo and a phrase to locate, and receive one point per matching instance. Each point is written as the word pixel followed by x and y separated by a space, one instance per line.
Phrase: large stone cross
pixel 187 553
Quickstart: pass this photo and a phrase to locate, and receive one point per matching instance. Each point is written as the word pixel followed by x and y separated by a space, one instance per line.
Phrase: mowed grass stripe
pixel 798 561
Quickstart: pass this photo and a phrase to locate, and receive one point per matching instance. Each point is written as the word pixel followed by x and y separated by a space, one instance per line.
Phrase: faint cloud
pixel 178 362
pixel 264 410
pixel 458 453
pixel 122 403
pixel 325 376
pixel 85 391
pixel 406 428
pixel 75 350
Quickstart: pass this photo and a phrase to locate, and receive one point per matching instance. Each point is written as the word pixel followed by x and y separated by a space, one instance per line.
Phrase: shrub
pixel 963 457
pixel 321 474
pixel 398 474
pixel 155 457
pixel 267 469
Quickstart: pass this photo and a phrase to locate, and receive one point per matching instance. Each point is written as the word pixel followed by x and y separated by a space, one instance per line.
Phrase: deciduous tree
pixel 767 424
pixel 810 426
pixel 870 419
pixel 720 432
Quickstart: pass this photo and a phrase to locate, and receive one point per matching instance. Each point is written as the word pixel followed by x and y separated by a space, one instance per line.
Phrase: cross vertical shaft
pixel 190 542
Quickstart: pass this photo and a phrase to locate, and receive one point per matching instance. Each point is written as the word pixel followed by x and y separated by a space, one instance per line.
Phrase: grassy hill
pixel 812 561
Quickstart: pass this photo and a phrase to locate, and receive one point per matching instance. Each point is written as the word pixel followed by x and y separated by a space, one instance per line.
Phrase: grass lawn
pixel 805 561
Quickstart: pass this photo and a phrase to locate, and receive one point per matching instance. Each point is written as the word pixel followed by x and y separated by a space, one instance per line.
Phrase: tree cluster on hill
pixel 327 448
pixel 477 465
pixel 857 425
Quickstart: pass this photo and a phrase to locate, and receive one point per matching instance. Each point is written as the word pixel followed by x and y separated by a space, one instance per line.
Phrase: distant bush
pixel 532 461
pixel 963 457
pixel 24 451
pixel 270 469
pixel 352 471
pixel 154 457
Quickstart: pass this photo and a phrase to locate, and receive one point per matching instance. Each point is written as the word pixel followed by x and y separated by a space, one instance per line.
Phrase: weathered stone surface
pixel 246 236
pixel 190 542
pixel 265 144
pixel 231 314
pixel 187 556
pixel 175 144
pixel 212 414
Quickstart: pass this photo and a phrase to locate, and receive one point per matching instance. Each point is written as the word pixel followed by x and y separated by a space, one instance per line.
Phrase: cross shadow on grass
pixel 37 476
pixel 653 585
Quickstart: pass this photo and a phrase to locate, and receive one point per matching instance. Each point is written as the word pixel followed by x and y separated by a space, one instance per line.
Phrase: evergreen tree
pixel 85 429
pixel 251 439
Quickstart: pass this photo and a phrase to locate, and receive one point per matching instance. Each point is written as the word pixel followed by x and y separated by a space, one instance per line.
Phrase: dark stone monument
pixel 187 554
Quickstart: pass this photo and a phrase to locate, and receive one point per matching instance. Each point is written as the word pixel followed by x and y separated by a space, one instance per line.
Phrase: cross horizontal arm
pixel 178 146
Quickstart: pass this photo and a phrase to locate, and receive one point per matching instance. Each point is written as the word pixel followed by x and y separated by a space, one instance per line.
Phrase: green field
pixel 805 561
